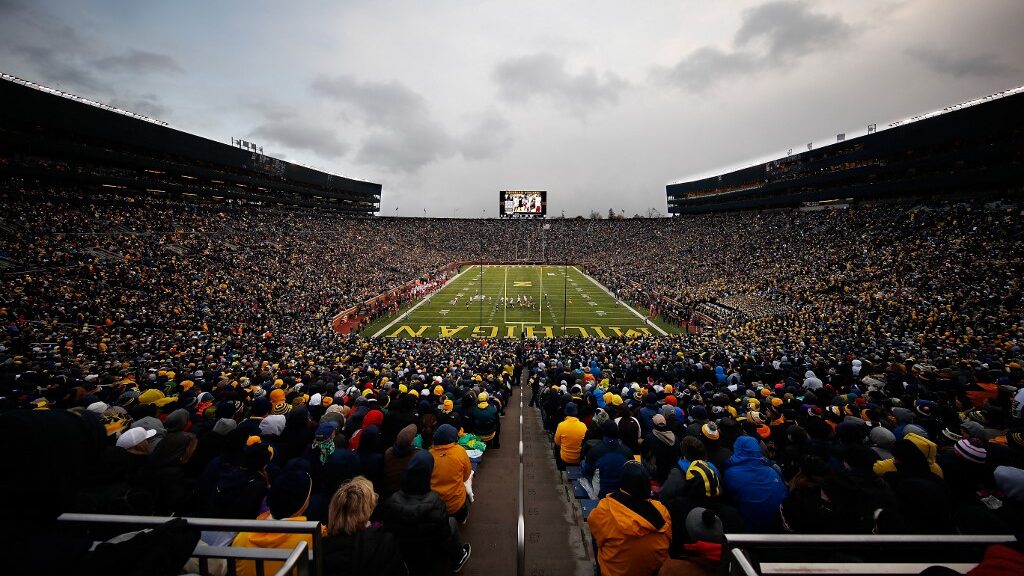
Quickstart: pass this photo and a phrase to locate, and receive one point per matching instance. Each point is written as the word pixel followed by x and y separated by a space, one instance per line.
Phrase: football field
pixel 515 301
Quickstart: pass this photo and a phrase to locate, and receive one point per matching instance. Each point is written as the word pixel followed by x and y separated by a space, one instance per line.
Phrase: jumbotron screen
pixel 523 204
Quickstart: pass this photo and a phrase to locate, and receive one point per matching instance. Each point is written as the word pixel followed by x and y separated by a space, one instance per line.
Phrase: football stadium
pixel 280 298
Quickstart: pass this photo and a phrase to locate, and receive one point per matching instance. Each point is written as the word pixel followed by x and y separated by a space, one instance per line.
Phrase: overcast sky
pixel 446 102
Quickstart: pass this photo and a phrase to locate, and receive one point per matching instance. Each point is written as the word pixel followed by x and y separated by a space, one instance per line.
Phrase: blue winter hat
pixel 570 409
pixel 325 429
pixel 445 434
pixel 698 412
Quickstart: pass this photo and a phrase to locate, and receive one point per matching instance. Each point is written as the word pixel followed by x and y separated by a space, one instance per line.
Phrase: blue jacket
pixel 646 418
pixel 754 485
pixel 608 457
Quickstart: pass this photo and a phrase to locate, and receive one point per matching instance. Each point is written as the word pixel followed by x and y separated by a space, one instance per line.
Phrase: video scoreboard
pixel 523 204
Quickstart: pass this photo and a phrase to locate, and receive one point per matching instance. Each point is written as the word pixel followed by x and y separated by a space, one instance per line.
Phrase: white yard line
pixel 540 298
pixel 628 307
pixel 405 314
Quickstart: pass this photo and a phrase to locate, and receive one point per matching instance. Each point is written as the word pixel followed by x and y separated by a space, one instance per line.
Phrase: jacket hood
pixel 417 473
pixel 369 438
pixel 926 446
pixel 403 442
pixel 373 418
pixel 746 449
pixel 629 522
pixel 274 539
pixel 176 421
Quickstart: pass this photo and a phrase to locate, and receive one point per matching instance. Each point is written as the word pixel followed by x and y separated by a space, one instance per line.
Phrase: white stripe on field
pixel 405 314
pixel 628 307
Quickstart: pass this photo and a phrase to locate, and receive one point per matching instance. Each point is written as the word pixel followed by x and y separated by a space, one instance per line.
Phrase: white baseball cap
pixel 133 437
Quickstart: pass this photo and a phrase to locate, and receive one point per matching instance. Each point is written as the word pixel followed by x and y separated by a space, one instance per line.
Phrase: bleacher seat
pixel 578 491
pixel 587 506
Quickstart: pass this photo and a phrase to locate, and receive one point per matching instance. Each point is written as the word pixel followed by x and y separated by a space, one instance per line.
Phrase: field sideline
pixel 515 301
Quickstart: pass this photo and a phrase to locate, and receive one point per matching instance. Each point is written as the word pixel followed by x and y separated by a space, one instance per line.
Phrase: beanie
pixel 635 480
pixel 445 434
pixel 261 406
pixel 710 431
pixel 609 429
pixel 698 412
pixel 971 450
pixel 289 494
pixel 881 437
pixel 570 409
pixel 974 430
pixel 223 426
pixel 914 429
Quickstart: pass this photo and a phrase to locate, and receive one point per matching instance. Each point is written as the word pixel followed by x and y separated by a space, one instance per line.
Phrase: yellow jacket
pixel 267 540
pixel 569 437
pixel 451 470
pixel 926 446
pixel 628 544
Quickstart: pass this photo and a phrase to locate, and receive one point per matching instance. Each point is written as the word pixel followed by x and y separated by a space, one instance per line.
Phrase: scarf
pixel 326 449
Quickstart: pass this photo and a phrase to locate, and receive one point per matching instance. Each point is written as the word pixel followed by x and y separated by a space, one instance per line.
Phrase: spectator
pixel 601 471
pixel 632 531
pixel 288 499
pixel 352 546
pixel 569 438
pixel 451 472
pixel 427 536
pixel 755 485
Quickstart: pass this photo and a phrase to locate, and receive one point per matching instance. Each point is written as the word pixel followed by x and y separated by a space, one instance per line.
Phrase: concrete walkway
pixel 554 540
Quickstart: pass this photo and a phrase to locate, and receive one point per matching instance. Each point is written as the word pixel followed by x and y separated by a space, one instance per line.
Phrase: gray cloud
pixel 488 139
pixel 378 103
pixel 776 35
pixel 404 135
pixel 58 55
pixel 147 104
pixel 707 65
pixel 545 75
pixel 299 135
pixel 978 65
pixel 140 62
pixel 52 67
pixel 789 29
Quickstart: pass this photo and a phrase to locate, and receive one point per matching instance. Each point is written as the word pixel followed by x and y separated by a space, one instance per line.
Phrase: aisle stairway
pixel 554 533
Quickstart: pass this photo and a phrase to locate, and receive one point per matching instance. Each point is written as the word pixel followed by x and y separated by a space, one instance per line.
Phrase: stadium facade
pixel 49 136
pixel 975 148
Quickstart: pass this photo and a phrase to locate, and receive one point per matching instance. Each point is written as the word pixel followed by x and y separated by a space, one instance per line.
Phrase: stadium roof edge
pixel 82 100
pixel 894 124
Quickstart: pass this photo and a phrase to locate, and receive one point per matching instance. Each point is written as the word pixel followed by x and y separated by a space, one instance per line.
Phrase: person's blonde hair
pixel 351 507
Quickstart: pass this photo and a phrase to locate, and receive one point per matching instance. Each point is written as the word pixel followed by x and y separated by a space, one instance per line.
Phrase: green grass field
pixel 514 301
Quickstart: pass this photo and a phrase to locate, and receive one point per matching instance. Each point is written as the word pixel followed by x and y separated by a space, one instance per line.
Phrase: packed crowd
pixel 738 443
pixel 870 362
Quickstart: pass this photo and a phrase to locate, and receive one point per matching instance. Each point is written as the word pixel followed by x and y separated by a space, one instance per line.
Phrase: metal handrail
pixel 744 562
pixel 783 540
pixel 293 562
pixel 521 523
pixel 737 546
pixel 216 524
